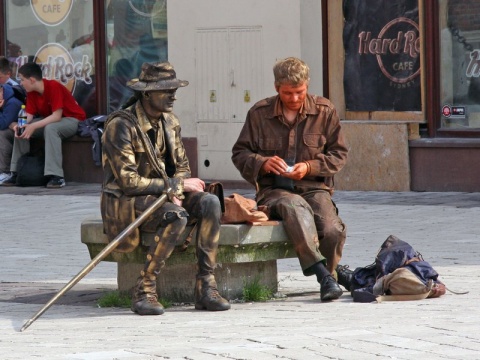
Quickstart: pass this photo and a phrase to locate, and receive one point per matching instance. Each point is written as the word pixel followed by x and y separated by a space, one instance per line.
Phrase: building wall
pixel 287 27
pixel 378 157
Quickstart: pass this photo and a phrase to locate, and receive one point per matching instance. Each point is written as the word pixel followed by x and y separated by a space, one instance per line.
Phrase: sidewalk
pixel 41 252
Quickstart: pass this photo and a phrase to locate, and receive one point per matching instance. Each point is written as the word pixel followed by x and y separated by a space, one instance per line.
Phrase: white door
pixel 228 82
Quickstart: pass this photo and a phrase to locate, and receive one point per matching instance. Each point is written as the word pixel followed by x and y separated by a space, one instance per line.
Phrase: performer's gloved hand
pixel 176 184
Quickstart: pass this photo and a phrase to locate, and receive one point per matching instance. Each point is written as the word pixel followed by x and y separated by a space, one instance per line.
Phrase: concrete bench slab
pixel 244 253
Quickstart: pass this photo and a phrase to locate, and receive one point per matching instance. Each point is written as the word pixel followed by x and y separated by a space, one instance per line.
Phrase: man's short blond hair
pixel 291 71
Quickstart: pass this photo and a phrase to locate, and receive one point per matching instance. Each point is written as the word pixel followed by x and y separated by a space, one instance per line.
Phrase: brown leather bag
pixel 239 209
pixel 216 188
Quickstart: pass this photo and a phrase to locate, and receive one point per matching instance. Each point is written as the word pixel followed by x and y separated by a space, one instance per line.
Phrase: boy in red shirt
pixel 52 113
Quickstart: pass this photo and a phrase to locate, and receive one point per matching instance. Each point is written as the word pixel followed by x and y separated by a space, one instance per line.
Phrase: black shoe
pixel 12 181
pixel 329 289
pixel 56 182
pixel 344 276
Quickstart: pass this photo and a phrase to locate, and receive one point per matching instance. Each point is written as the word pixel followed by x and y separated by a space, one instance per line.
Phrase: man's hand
pixel 278 166
pixel 275 165
pixel 28 131
pixel 190 185
pixel 193 185
pixel 299 171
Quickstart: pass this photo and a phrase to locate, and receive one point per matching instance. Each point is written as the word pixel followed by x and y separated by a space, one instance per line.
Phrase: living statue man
pixel 290 147
pixel 143 156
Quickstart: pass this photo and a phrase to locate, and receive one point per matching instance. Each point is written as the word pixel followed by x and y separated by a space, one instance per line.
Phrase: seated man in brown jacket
pixel 290 148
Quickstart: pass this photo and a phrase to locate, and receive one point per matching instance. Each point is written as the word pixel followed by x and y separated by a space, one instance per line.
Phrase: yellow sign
pixel 246 96
pixel 51 12
pixel 57 64
pixel 213 96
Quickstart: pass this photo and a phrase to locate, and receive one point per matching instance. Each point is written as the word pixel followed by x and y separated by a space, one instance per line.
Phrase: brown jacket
pixel 128 171
pixel 317 138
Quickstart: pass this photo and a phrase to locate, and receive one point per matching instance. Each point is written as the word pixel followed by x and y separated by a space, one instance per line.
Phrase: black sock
pixel 320 271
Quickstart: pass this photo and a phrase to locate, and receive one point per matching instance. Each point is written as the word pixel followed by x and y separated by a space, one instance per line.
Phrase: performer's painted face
pixel 163 100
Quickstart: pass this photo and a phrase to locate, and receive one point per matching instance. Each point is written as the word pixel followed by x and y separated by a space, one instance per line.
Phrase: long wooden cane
pixel 101 255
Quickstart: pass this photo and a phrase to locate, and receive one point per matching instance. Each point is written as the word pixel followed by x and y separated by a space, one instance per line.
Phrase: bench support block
pixel 176 282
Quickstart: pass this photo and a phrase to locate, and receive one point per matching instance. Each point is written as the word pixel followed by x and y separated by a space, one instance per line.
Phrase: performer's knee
pixel 210 204
pixel 180 217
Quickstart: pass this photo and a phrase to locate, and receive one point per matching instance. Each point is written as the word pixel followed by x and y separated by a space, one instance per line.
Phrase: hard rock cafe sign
pixel 473 68
pixel 382 56
pixel 57 64
pixel 396 48
pixel 51 12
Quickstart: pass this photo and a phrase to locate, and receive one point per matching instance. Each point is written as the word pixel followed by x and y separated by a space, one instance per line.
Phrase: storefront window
pixel 57 34
pixel 136 33
pixel 381 41
pixel 460 64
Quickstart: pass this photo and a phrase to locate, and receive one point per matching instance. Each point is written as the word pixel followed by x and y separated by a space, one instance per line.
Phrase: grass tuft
pixel 116 299
pixel 254 291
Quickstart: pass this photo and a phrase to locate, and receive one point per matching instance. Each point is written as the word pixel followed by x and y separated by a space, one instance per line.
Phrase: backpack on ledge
pixel 93 127
pixel 399 273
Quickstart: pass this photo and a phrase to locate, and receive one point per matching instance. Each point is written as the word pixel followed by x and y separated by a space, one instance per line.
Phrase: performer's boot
pixel 207 296
pixel 145 298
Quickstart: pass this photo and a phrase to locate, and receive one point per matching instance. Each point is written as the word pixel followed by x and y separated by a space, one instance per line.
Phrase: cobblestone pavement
pixel 41 252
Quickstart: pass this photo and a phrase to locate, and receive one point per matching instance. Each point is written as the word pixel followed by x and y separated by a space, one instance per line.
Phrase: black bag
pixel 20 93
pixel 216 188
pixel 281 182
pixel 93 127
pixel 395 254
pixel 30 169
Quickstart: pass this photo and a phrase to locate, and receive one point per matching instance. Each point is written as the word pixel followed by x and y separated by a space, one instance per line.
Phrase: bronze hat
pixel 156 76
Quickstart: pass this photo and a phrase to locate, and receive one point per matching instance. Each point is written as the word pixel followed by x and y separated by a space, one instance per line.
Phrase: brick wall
pixel 465 14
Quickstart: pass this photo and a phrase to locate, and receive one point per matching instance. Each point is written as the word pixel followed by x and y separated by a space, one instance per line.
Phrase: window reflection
pixel 460 64
pixel 61 41
pixel 137 33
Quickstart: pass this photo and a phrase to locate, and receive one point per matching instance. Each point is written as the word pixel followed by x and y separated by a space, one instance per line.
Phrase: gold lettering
pixel 51 8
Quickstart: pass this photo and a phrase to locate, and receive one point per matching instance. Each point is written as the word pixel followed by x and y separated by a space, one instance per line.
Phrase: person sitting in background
pixel 9 108
pixel 57 115
pixel 6 72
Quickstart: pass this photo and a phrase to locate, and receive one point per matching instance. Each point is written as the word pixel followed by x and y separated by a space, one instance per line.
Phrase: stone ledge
pixel 244 252
pixel 238 243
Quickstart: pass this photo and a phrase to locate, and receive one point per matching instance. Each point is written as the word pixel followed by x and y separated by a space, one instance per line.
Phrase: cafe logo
pixel 51 12
pixel 397 49
pixel 58 64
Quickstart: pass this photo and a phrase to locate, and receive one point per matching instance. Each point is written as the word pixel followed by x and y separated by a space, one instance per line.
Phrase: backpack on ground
pixel 399 273
pixel 30 169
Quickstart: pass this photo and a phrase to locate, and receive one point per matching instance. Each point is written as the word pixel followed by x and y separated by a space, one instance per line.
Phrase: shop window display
pixel 137 33
pixel 460 64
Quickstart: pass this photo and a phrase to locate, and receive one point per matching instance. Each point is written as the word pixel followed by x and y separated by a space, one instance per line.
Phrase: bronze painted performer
pixel 143 156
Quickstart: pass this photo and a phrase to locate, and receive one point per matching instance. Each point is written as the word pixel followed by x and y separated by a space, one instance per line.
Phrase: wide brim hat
pixel 156 76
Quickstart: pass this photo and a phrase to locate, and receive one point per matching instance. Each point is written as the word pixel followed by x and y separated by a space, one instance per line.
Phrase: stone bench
pixel 244 252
